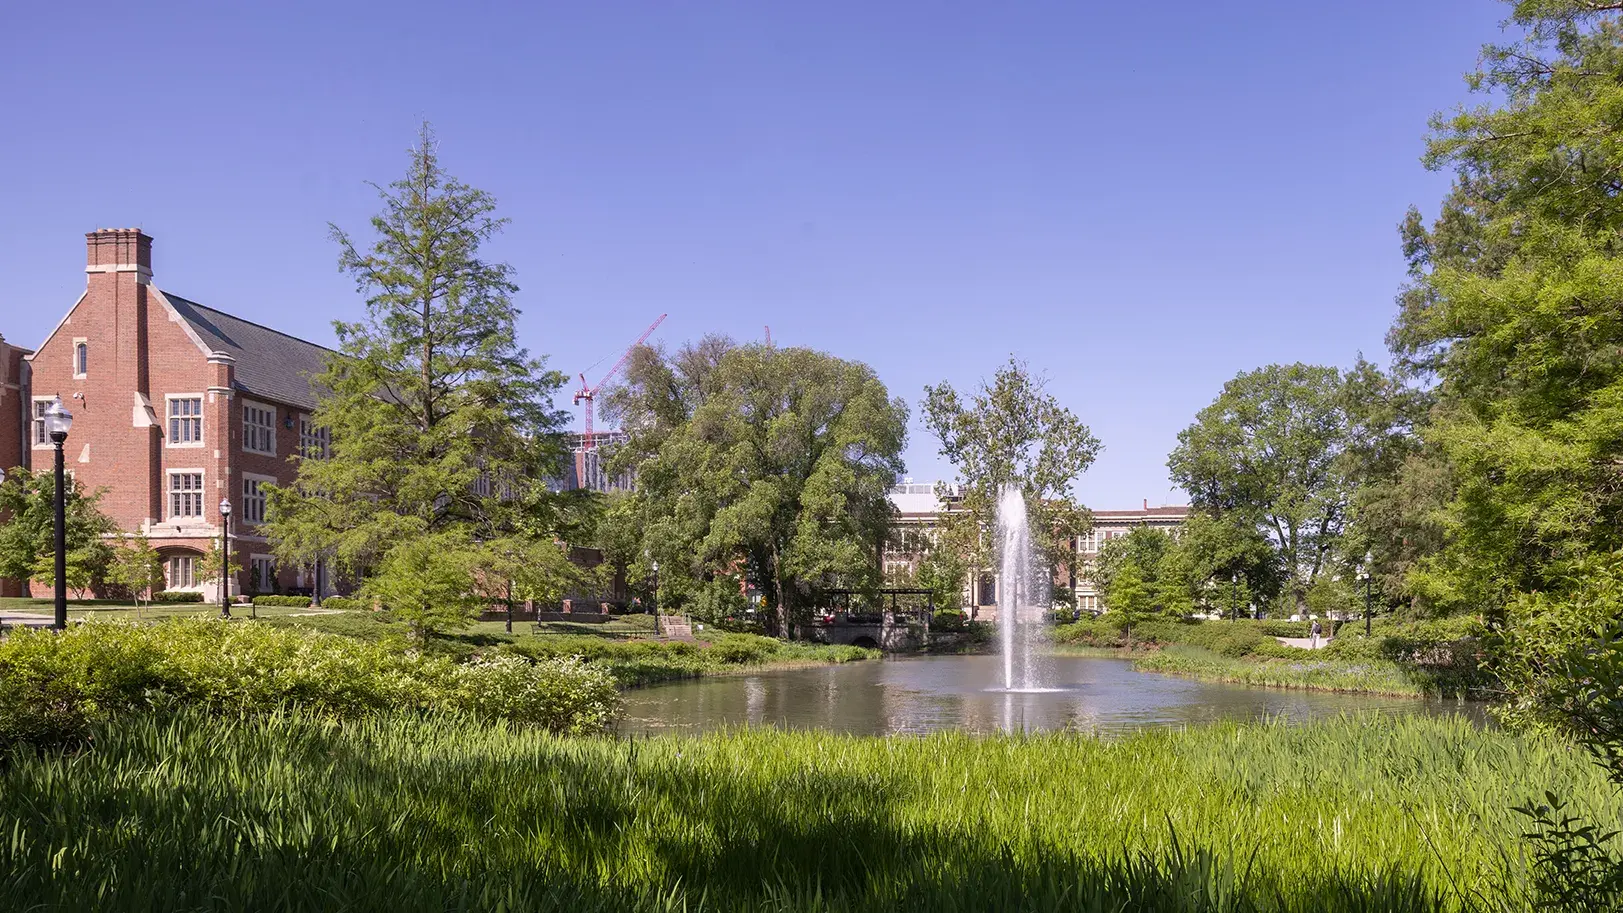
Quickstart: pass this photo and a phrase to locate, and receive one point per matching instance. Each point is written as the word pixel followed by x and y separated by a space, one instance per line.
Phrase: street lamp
pixel 1234 598
pixel 57 422
pixel 1363 574
pixel 225 557
pixel 654 566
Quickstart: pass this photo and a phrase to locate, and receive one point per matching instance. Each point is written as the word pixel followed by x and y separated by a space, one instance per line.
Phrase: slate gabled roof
pixel 269 364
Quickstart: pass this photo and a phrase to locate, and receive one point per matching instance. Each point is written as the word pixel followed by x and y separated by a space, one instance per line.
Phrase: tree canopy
pixel 756 464
pixel 1011 431
pixel 28 535
pixel 439 421
pixel 1276 450
pixel 1514 311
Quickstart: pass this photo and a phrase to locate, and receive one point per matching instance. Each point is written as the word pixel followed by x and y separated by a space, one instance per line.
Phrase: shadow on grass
pixel 404 816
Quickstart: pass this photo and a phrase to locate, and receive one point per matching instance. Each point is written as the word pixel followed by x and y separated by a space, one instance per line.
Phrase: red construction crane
pixel 587 392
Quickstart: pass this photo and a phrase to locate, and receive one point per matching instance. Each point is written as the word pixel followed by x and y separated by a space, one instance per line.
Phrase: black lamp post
pixel 1234 598
pixel 57 422
pixel 225 557
pixel 654 566
pixel 1363 574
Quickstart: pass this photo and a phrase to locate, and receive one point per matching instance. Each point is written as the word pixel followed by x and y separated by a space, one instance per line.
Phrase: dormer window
pixel 81 357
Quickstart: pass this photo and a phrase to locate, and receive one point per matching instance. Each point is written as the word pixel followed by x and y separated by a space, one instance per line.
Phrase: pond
pixel 923 694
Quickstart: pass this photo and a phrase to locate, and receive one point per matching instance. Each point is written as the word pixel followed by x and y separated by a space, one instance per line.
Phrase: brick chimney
pixel 114 324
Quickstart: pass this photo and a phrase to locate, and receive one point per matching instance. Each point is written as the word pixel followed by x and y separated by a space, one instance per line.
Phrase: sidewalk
pixel 1305 643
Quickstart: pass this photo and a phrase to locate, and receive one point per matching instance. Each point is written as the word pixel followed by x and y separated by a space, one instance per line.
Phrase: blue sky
pixel 1140 200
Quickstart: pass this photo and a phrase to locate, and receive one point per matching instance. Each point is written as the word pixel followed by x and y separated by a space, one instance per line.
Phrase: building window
pixel 182 571
pixel 253 500
pixel 81 358
pixel 313 440
pixel 185 420
pixel 185 494
pixel 41 437
pixel 258 428
pixel 262 574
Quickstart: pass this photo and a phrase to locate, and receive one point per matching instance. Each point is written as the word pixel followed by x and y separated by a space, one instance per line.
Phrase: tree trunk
pixel 777 583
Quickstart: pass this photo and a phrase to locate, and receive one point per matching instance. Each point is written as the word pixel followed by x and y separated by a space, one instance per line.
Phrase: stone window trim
pixel 185 496
pixel 38 439
pixel 258 427
pixel 81 357
pixel 194 421
pixel 254 501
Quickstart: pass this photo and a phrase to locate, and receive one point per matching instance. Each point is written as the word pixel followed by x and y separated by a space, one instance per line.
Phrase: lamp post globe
pixel 225 557
pixel 654 566
pixel 58 420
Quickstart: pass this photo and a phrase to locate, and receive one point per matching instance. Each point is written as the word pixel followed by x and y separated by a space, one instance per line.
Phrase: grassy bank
pixel 1310 672
pixel 632 662
pixel 411 814
pixel 1426 659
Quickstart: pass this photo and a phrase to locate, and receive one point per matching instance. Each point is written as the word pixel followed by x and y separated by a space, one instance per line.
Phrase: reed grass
pixel 405 814
pixel 1310 672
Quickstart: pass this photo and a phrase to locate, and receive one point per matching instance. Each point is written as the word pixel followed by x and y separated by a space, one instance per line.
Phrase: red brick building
pixel 13 423
pixel 176 407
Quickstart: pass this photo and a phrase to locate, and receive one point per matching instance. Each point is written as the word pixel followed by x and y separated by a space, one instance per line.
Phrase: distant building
pixel 1113 524
pixel 586 466
pixel 921 506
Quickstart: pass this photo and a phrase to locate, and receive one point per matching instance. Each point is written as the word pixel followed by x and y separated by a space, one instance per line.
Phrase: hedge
pixel 177 597
pixel 298 602
pixel 55 687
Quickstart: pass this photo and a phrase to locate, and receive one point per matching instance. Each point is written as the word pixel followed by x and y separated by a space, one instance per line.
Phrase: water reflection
pixel 926 694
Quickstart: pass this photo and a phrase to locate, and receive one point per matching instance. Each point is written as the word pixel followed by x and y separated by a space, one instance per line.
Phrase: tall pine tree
pixel 439 421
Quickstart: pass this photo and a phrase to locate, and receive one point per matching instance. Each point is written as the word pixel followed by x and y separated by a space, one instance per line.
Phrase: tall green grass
pixel 408 814
pixel 1311 671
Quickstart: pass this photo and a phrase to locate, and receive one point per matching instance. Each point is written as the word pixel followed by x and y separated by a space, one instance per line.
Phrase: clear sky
pixel 1139 199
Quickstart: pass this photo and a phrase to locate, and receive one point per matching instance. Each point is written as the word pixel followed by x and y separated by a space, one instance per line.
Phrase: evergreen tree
pixel 440 422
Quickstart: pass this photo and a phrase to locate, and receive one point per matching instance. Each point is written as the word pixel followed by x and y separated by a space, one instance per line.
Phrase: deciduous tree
pixel 1275 451
pixel 770 463
pixel 1011 431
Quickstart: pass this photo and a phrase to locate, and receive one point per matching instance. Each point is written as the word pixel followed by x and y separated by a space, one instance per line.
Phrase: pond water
pixel 923 694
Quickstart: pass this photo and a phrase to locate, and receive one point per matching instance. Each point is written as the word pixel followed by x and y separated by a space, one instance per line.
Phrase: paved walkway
pixel 1305 643
pixel 24 619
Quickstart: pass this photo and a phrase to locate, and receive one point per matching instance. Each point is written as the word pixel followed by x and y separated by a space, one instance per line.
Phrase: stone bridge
pixel 892 635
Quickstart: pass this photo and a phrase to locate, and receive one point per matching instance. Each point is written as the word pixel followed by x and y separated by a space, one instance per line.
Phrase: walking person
pixel 1316 630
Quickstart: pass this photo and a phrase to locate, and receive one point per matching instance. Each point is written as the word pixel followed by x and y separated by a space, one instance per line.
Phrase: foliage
pixel 949 621
pixel 641 662
pixel 183 596
pixel 55 687
pixel 1145 573
pixel 1011 431
pixel 28 535
pixel 136 568
pixel 1512 312
pixel 1231 565
pixel 770 463
pixel 1276 451
pixel 415 814
pixel 430 583
pixel 439 420
pixel 344 604
pixel 297 602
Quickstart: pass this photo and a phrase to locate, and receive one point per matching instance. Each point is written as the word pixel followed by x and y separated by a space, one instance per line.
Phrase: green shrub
pixel 53 687
pixel 344 604
pixel 949 620
pixel 742 649
pixel 1285 628
pixel 166 596
pixel 299 602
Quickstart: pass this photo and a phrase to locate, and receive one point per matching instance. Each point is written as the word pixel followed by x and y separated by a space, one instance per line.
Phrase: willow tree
pixel 756 465
pixel 440 422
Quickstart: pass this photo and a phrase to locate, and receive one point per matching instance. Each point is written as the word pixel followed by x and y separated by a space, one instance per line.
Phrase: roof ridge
pixel 204 307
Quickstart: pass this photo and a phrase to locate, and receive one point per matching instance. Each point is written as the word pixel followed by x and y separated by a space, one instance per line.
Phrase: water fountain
pixel 1025 589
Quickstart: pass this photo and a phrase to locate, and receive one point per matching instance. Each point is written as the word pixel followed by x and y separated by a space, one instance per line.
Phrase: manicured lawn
pixel 111 609
pixel 410 814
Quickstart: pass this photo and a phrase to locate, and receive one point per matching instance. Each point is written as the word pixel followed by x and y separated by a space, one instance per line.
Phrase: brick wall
pixel 13 431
